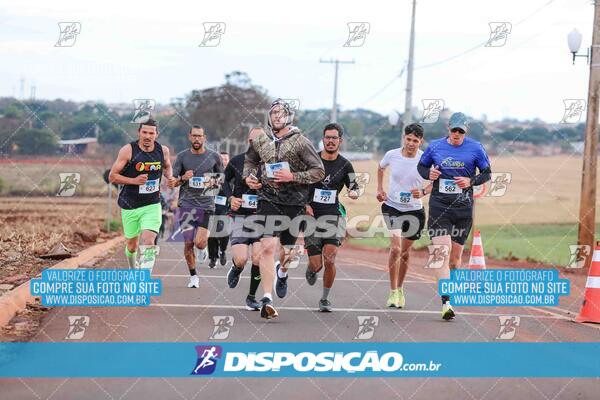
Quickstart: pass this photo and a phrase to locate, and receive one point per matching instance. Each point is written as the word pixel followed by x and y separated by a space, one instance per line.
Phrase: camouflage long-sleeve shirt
pixel 295 149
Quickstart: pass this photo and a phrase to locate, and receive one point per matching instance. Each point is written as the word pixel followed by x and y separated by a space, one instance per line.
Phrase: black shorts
pixel 453 222
pixel 331 231
pixel 192 218
pixel 242 232
pixel 410 222
pixel 286 236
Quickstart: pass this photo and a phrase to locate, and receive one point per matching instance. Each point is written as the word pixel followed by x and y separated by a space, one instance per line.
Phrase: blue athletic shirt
pixel 454 161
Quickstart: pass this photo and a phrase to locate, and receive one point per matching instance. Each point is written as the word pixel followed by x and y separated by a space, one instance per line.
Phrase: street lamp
pixel 393 118
pixel 587 198
pixel 574 41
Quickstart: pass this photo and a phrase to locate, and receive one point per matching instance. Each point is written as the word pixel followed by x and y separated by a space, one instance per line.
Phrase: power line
pixel 482 44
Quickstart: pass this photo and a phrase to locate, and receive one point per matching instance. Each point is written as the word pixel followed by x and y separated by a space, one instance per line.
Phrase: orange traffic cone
pixel 590 311
pixel 477 259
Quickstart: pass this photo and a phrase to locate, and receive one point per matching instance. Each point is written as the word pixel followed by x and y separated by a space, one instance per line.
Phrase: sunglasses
pixel 454 130
pixel 331 137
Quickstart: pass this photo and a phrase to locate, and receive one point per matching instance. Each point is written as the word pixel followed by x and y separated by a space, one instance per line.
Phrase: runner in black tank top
pixel 142 162
pixel 138 168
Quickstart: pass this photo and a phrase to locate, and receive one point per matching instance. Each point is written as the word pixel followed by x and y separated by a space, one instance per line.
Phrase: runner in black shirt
pixel 243 202
pixel 323 239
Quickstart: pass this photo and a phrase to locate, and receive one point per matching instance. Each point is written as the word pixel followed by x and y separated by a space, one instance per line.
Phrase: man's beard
pixel 197 146
pixel 330 151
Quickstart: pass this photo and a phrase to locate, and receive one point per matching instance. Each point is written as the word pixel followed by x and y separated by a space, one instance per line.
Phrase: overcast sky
pixel 129 50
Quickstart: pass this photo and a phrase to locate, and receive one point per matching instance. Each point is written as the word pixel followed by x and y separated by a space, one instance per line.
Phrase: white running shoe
pixel 194 282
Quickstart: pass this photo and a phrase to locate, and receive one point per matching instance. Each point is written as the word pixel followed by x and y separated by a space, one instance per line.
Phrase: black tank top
pixel 151 163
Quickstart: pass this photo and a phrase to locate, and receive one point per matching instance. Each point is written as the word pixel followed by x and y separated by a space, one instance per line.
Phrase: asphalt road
pixel 189 315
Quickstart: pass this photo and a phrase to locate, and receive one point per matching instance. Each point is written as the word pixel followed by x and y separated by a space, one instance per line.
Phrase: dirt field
pixel 31 226
pixel 26 178
pixel 542 190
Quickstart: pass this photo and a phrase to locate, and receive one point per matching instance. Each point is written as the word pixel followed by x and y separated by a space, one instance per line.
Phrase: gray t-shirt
pixel 197 192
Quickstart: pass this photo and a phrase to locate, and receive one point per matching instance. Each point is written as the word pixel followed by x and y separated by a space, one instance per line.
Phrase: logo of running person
pixel 432 108
pixel 212 34
pixel 68 183
pixel 366 326
pixel 222 326
pixel 437 254
pixel 142 110
pixel 207 359
pixel 357 33
pixel 579 253
pixel 573 111
pixel 499 183
pixel 499 32
pixel 508 326
pixel 68 34
pixel 361 180
pixel 77 325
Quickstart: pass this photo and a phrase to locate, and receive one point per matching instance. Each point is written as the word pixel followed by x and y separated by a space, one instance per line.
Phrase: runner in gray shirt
pixel 198 172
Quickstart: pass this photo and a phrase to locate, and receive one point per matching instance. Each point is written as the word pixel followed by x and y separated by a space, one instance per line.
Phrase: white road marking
pixel 360 310
pixel 291 277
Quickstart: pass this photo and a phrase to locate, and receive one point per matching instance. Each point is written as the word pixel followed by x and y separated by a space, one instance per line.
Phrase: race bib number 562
pixel 449 186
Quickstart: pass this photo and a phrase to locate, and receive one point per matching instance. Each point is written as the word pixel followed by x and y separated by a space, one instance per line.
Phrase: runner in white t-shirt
pixel 402 208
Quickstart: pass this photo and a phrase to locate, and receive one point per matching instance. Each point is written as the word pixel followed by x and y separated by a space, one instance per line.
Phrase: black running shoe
pixel 212 263
pixel 281 285
pixel 252 304
pixel 223 259
pixel 267 310
pixel 324 305
pixel 311 277
pixel 233 276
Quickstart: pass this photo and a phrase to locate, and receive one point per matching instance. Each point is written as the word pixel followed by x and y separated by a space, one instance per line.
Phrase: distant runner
pixel 243 202
pixel 193 172
pixel 217 245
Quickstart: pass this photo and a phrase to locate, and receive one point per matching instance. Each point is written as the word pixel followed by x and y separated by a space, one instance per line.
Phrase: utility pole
pixel 22 88
pixel 587 202
pixel 407 118
pixel 335 84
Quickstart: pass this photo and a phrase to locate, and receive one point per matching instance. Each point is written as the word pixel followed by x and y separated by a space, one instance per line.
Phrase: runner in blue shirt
pixel 451 163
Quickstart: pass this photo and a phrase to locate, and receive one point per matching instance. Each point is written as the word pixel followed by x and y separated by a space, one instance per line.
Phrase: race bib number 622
pixel 150 186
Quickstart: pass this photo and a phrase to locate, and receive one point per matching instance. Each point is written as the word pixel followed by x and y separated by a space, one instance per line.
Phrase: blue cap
pixel 458 120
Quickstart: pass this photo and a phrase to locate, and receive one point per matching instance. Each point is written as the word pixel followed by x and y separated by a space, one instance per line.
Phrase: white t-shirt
pixel 403 177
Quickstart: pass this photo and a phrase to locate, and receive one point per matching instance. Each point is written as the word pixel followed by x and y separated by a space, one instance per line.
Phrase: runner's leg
pixel 404 258
pixel 456 255
pixel 267 264
pixel 329 254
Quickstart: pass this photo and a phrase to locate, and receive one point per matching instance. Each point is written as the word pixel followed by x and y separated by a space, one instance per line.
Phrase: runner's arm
pixel 482 177
pixel 178 170
pixel 428 189
pixel 229 176
pixel 425 163
pixel 168 166
pixel 251 162
pixel 351 184
pixel 123 158
pixel 311 158
pixel 483 165
pixel 380 173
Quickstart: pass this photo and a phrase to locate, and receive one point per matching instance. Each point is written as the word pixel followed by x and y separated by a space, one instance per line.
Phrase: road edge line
pixel 16 299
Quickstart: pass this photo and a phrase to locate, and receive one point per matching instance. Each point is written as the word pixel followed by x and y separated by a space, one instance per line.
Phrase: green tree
pixel 36 141
pixel 114 136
